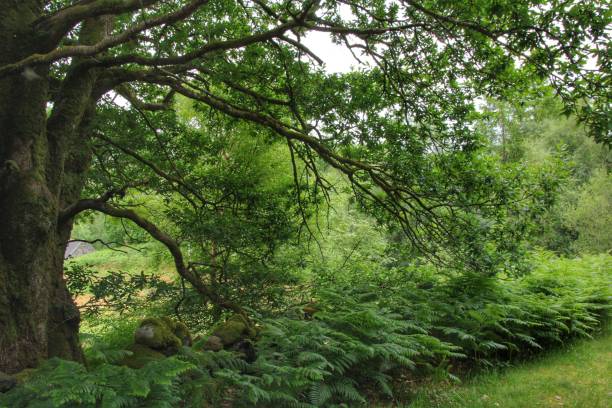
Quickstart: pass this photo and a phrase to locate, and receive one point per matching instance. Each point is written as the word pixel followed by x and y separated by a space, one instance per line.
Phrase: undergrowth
pixel 363 340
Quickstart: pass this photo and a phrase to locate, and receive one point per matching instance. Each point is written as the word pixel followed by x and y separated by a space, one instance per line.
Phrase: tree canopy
pixel 399 128
pixel 90 109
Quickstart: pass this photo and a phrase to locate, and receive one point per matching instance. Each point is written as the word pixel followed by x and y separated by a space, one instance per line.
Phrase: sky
pixel 338 59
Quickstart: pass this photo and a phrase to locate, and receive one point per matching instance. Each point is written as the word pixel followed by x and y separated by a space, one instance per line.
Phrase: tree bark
pixel 42 166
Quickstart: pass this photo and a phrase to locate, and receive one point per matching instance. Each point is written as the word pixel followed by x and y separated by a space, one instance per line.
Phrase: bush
pixel 354 341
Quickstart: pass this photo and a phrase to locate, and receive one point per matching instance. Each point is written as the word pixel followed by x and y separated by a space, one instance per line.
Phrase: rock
pixel 141 355
pixel 234 329
pixel 180 330
pixel 235 334
pixel 7 382
pixel 24 375
pixel 159 334
pixel 247 349
pixel 213 343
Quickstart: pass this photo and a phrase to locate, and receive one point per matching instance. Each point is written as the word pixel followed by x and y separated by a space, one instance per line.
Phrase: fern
pixel 59 383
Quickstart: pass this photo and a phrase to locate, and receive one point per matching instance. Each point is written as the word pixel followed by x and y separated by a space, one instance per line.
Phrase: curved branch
pixel 198 53
pixel 125 91
pixel 155 169
pixel 104 44
pixel 62 21
pixel 106 244
pixel 173 247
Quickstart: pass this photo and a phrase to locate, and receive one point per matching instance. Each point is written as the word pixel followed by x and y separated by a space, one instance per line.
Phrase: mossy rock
pixel 230 332
pixel 213 343
pixel 180 330
pixel 157 334
pixel 24 375
pixel 7 382
pixel 141 355
pixel 234 329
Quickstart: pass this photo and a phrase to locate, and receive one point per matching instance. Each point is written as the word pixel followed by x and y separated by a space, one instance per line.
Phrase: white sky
pixel 338 59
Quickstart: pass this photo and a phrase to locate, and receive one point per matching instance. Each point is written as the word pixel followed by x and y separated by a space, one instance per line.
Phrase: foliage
pixel 576 375
pixel 115 290
pixel 357 339
pixel 241 158
pixel 369 335
pixel 591 215
pixel 531 132
pixel 60 383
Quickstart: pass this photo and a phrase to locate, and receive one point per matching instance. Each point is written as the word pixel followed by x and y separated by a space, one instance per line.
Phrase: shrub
pixel 355 340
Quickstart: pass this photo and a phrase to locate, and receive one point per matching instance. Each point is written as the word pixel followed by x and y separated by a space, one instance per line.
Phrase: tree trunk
pixel 39 175
pixel 37 316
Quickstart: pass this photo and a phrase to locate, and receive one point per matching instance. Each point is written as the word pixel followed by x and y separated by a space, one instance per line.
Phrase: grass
pixel 147 257
pixel 576 376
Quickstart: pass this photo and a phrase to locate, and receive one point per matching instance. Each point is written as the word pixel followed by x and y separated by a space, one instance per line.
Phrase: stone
pixel 234 329
pixel 157 334
pixel 141 355
pixel 213 343
pixel 180 330
pixel 7 382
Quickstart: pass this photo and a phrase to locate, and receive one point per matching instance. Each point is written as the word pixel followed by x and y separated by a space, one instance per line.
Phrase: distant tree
pixel 398 130
pixel 591 215
pixel 533 132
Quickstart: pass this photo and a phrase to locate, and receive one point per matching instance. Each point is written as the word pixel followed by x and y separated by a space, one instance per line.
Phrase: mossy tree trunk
pixel 42 165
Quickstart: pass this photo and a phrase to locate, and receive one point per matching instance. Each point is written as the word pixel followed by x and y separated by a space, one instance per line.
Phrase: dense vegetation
pixel 352 316
pixel 574 376
pixel 369 340
pixel 269 233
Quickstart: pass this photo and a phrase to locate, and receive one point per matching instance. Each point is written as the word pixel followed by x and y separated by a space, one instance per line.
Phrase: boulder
pixel 141 355
pixel 233 330
pixel 159 334
pixel 235 334
pixel 213 343
pixel 7 382
pixel 180 330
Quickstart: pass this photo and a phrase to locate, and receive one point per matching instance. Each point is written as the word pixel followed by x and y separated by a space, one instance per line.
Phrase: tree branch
pixel 106 244
pixel 173 247
pixel 104 44
pixel 62 21
pixel 125 91
pixel 156 169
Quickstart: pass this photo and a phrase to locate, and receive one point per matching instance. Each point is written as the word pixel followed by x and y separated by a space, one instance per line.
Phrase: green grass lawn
pixel 576 376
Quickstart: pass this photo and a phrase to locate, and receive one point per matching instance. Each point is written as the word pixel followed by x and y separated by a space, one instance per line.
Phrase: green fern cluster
pixel 361 339
pixel 364 335
pixel 351 343
pixel 493 320
pixel 60 383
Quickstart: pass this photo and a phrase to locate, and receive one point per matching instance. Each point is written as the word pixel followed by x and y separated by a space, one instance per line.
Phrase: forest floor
pixel 578 375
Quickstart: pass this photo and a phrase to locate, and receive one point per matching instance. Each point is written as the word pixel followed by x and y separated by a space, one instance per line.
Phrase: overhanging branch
pixel 173 247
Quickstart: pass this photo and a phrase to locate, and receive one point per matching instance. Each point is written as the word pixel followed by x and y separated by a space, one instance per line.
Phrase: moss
pixel 179 329
pixel 7 382
pixel 24 375
pixel 141 355
pixel 155 333
pixel 182 332
pixel 230 332
pixel 235 328
pixel 213 343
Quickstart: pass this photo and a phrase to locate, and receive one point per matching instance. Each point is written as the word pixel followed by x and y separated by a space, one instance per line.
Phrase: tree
pixel 389 128
pixel 530 131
